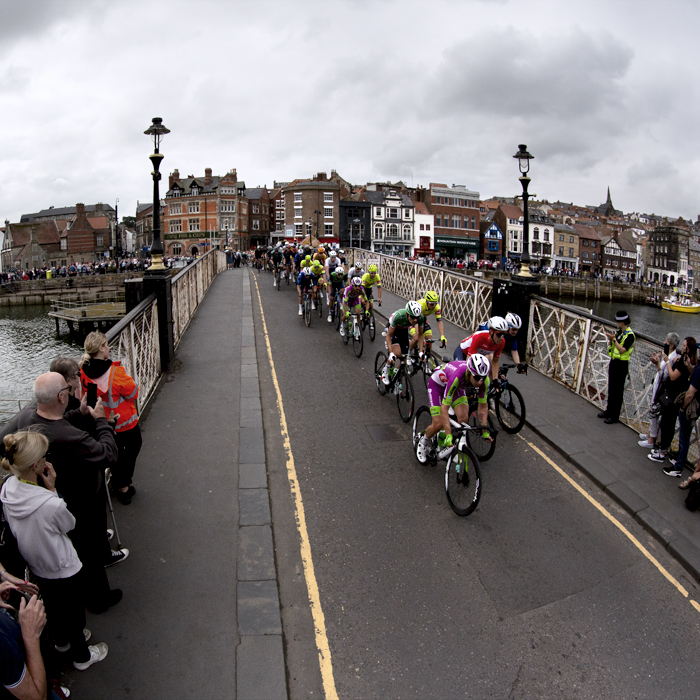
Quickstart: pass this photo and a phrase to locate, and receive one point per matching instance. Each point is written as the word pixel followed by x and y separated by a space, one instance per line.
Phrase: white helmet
pixel 358 265
pixel 498 323
pixel 357 281
pixel 478 365
pixel 514 321
pixel 332 254
pixel 413 308
pixel 341 252
pixel 339 270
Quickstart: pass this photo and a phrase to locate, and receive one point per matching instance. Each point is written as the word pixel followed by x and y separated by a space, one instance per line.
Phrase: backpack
pixel 692 500
pixel 10 557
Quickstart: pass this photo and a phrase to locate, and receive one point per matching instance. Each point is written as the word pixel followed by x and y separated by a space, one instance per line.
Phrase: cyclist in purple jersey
pixel 355 297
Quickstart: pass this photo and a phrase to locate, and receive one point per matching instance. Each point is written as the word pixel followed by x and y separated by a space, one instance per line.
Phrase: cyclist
pixel 306 262
pixel 354 296
pixel 430 305
pixel 337 281
pixel 450 386
pixel 320 255
pixel 356 270
pixel 318 272
pixel 369 279
pixel 397 341
pixel 305 281
pixel 298 257
pixel 277 258
pixel 341 255
pixel 490 343
pixel 288 259
pixel 258 257
pixel 515 323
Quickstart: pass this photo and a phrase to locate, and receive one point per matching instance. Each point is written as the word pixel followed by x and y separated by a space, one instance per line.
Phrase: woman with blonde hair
pixel 118 392
pixel 39 520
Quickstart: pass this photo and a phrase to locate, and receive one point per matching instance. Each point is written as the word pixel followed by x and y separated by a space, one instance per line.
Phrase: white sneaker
pixel 301 311
pixel 330 320
pixel 385 375
pixel 644 443
pixel 423 449
pixel 97 653
pixel 313 305
pixel 342 330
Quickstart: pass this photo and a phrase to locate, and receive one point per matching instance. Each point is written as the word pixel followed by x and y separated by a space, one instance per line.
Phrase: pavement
pixel 200 615
pixel 607 454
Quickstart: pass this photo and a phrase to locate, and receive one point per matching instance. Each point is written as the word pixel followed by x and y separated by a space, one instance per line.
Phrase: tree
pixel 129 221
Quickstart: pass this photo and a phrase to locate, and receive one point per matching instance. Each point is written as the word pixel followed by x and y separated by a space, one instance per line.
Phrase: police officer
pixel 620 346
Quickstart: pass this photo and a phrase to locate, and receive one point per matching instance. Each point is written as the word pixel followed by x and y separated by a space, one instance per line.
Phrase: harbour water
pixel 28 344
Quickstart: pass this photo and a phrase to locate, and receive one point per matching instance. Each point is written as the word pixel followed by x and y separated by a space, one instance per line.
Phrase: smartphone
pixel 92 394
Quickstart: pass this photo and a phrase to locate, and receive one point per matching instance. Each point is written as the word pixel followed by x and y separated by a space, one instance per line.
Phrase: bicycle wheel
pixel 307 311
pixel 319 304
pixel 358 342
pixel 404 395
pixel 372 326
pixel 429 366
pixel 379 362
pixel 277 277
pixel 421 421
pixel 482 448
pixel 510 410
pixel 289 274
pixel 346 337
pixel 337 311
pixel 463 481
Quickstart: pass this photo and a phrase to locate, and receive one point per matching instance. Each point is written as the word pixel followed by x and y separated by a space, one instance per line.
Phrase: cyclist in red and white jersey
pixel 489 343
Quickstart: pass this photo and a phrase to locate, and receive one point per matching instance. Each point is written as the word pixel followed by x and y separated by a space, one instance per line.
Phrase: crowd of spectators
pixel 79 438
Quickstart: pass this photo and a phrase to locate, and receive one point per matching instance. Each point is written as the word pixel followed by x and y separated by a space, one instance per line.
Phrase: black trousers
pixel 129 444
pixel 64 599
pixel 617 374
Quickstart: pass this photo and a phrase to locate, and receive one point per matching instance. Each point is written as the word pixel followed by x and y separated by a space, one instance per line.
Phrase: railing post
pixel 415 280
pixel 158 282
pixel 584 355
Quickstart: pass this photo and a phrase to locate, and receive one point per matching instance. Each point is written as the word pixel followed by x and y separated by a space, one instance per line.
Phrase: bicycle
pixel 288 272
pixel 399 383
pixel 462 469
pixel 278 277
pixel 306 307
pixel 369 322
pixel 354 330
pixel 319 301
pixel 337 309
pixel 427 365
pixel 509 404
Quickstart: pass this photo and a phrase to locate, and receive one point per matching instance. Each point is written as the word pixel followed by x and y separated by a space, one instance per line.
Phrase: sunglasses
pixel 499 334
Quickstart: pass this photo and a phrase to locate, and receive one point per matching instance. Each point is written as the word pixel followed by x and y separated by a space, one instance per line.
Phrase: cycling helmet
pixel 413 309
pixel 372 269
pixel 498 323
pixel 432 297
pixel 356 281
pixel 341 252
pixel 321 249
pixel 514 321
pixel 358 265
pixel 478 365
pixel 332 254
pixel 308 257
pixel 339 270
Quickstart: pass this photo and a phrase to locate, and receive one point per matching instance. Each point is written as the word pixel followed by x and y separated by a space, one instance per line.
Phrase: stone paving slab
pixel 256 555
pixel 259 661
pixel 251 448
pixel 258 608
pixel 628 499
pixel 254 507
pixel 657 525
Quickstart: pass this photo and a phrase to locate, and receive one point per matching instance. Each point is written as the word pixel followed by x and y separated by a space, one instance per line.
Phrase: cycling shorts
pixel 436 392
pixel 369 293
pixel 400 338
pixel 427 332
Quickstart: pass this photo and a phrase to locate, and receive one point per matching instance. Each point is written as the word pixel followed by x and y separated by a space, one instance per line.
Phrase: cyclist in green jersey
pixel 398 342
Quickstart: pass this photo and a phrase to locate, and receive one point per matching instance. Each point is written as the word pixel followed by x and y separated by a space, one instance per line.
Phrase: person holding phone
pixel 110 382
pixel 39 520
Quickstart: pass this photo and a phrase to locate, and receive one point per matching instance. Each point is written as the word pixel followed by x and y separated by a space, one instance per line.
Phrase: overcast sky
pixel 603 94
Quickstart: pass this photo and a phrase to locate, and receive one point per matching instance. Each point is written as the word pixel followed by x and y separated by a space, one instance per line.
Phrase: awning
pixel 470 244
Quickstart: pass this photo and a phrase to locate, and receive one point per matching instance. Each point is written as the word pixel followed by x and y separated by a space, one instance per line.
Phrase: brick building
pixel 668 251
pixel 566 247
pixel 33 245
pixel 590 259
pixel 456 218
pixel 199 211
pixel 491 240
pixel 259 218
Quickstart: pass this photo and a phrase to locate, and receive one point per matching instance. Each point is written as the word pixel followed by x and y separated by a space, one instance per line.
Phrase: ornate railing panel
pixel 189 288
pixel 135 342
pixel 464 300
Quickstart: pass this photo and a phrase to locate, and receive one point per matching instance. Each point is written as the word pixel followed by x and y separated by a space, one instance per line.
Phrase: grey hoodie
pixel 39 520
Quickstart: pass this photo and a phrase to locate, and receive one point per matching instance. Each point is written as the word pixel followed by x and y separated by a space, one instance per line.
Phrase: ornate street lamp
pixel 156 131
pixel 524 159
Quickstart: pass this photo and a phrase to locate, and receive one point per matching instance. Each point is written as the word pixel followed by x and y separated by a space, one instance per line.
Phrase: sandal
pixel 685 484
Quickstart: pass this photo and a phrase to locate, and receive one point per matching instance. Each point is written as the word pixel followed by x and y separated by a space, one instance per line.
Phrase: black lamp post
pixel 318 213
pixel 524 159
pixel 156 131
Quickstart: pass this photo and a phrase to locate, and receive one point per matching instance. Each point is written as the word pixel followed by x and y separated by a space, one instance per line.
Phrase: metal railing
pixel 189 287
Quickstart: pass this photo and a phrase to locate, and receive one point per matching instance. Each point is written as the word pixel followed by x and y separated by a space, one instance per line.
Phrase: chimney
pixel 174 175
pixel 321 177
pixel 232 172
pixel 207 176
pixel 32 234
pixel 79 209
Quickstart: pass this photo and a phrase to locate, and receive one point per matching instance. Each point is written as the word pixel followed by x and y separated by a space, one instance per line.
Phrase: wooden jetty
pixel 85 316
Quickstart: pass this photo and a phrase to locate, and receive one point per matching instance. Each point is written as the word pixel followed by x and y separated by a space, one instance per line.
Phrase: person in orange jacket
pixel 118 392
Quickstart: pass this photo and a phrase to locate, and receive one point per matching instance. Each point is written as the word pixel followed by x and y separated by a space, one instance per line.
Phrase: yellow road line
pixel 324 652
pixel 615 522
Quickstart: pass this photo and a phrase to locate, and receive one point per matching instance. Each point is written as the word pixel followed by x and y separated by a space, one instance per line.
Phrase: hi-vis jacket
pixel 621 336
pixel 118 392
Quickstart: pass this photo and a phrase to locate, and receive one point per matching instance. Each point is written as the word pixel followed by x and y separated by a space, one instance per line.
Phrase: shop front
pixel 457 247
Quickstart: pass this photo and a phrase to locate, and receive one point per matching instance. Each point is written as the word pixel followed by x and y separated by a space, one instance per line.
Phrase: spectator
pixel 620 346
pixel 678 375
pixel 119 392
pixel 39 520
pixel 649 440
pixel 68 368
pixel 81 445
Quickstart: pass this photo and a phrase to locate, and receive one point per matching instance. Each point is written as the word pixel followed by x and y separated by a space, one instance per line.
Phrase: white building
pixel 425 231
pixel 392 222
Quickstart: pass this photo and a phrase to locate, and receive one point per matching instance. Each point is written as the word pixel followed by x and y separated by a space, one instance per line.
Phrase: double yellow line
pixel 324 652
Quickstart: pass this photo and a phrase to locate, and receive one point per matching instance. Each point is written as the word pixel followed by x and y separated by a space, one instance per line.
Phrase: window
pixel 422 227
pixel 297 196
pixel 279 226
pixel 327 229
pixel 561 250
pixel 175 208
pixel 256 224
pixel 328 212
pixel 280 216
pixel 327 196
pixel 406 213
pixel 546 234
pixel 493 245
pixel 438 220
pixel 561 238
pixel 407 233
pixel 176 249
pixel 392 231
pixel 473 222
pixel 378 231
pixel 193 208
pixel 193 224
pixel 228 206
pixel 297 230
pixel 593 256
pixel 280 204
pixel 64 244
pixel 176 226
pixel 456 221
pixel 427 227
pixel 585 255
pixel 466 222
pixel 535 234
pixel 99 240
pixel 297 212
pixel 393 213
pixel 194 190
pixel 571 252
pixel 439 200
pixel 585 242
pixel 571 239
pixel 256 208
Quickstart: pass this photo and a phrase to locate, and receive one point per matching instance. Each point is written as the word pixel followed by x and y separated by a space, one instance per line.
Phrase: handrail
pixel 115 330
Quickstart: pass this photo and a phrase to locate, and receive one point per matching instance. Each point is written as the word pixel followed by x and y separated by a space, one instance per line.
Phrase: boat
pixel 682 303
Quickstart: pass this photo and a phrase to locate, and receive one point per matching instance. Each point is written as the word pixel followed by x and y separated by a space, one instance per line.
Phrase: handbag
pixel 692 500
pixel 663 397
